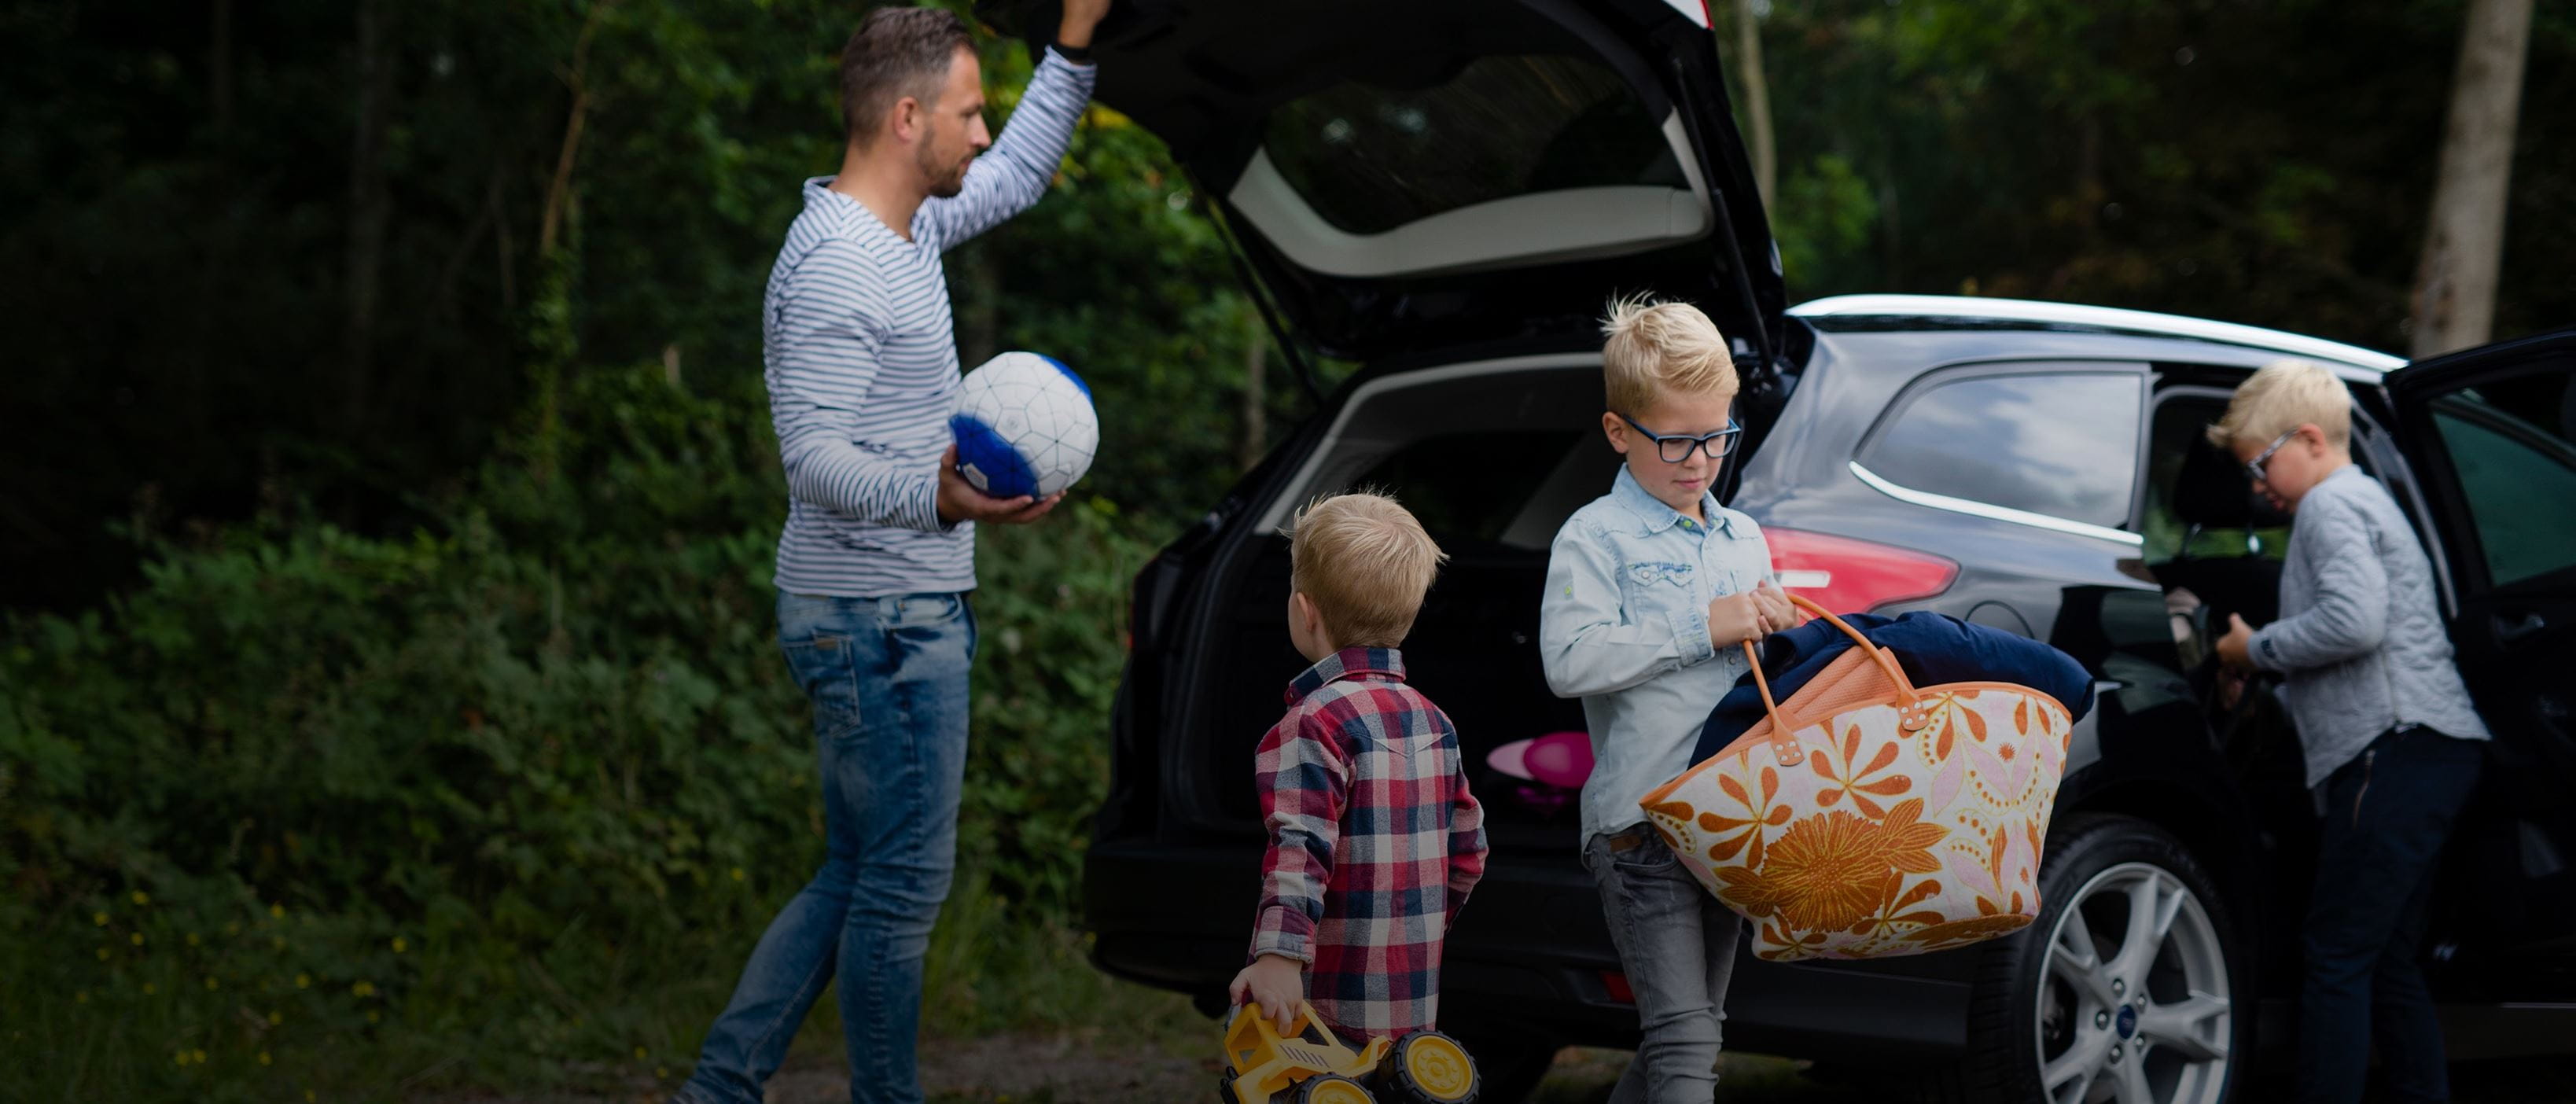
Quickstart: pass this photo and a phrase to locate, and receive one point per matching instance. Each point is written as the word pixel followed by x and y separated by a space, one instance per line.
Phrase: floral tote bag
pixel 1867 818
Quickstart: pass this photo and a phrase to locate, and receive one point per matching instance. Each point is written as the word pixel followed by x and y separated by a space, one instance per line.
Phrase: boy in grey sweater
pixel 2387 725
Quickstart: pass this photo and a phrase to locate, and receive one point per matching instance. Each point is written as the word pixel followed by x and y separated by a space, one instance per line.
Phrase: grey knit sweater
pixel 2360 634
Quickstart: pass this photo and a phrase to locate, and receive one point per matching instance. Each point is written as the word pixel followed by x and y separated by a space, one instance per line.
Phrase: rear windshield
pixel 1370 157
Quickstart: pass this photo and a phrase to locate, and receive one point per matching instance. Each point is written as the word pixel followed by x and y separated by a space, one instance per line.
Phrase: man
pixel 878 549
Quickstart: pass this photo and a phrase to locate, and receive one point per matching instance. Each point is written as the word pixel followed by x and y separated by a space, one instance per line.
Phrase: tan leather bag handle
pixel 1783 744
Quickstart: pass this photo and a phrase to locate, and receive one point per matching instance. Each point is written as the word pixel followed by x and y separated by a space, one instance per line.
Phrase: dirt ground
pixel 1088 1068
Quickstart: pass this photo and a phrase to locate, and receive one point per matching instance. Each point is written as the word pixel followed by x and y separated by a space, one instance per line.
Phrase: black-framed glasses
pixel 1676 448
pixel 2260 466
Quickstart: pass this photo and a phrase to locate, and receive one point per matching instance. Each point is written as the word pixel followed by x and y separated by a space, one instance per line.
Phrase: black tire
pixel 1511 1060
pixel 2007 1039
pixel 1310 1087
pixel 1225 1090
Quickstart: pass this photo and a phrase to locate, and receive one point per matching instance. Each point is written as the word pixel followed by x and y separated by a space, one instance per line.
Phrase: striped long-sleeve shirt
pixel 1374 842
pixel 862 362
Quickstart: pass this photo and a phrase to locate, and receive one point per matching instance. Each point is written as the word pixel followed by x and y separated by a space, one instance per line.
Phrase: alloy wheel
pixel 2133 1004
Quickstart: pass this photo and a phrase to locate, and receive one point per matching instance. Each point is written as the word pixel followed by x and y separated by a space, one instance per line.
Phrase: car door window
pixel 2199 502
pixel 2062 444
pixel 2514 453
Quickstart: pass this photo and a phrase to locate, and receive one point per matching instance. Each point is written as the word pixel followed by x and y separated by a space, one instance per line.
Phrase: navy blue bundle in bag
pixel 1933 648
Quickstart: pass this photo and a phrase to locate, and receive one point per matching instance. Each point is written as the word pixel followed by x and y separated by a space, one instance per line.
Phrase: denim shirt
pixel 1624 626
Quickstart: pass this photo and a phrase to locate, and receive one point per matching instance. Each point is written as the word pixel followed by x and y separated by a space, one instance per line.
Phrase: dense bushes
pixel 302 783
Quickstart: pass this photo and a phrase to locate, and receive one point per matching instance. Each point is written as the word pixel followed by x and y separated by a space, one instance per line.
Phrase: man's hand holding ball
pixel 960 501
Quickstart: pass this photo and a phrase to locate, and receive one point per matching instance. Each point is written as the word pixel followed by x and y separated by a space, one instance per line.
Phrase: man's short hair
pixel 2283 396
pixel 1652 349
pixel 897 52
pixel 1365 563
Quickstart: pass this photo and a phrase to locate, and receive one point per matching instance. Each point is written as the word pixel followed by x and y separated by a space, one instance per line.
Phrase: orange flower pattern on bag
pixel 1915 829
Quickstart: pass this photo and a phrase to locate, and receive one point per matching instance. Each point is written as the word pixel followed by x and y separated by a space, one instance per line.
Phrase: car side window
pixel 2062 444
pixel 2514 451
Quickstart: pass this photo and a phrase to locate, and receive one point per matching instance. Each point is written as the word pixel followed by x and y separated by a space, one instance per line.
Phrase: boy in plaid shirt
pixel 1374 839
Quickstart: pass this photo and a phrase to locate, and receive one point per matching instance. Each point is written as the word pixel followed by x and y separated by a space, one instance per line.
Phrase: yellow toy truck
pixel 1316 1067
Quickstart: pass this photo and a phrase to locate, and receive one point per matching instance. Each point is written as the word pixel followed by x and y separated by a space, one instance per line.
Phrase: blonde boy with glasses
pixel 2392 742
pixel 1649 590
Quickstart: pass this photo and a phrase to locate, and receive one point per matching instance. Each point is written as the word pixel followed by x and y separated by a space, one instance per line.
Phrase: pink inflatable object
pixel 1561 759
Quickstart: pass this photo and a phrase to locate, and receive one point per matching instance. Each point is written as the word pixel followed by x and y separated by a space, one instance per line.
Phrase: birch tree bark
pixel 2455 285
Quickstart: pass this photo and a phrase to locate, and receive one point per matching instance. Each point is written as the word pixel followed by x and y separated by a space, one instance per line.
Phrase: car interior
pixel 1474 647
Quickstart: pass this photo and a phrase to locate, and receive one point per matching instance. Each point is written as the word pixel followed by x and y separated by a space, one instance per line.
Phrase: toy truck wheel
pixel 1225 1093
pixel 1333 1088
pixel 1428 1067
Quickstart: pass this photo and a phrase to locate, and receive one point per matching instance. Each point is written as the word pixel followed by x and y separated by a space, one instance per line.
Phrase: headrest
pixel 2213 492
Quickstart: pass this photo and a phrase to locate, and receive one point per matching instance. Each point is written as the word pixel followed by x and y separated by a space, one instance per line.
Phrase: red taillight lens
pixel 1616 984
pixel 1854 576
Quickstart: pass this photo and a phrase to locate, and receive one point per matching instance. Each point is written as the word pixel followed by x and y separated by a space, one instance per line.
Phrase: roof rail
pixel 2110 319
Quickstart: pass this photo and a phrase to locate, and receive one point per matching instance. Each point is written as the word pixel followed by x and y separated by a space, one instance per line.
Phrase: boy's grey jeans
pixel 1678 946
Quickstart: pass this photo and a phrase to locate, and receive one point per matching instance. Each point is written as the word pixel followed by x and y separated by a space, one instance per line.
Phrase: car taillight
pixel 1615 984
pixel 1854 576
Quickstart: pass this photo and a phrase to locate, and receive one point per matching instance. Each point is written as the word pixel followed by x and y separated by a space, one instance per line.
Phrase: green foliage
pixel 466 784
pixel 179 202
pixel 2268 163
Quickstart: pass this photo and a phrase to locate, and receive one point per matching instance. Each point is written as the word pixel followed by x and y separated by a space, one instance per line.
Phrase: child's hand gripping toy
pixel 1315 1067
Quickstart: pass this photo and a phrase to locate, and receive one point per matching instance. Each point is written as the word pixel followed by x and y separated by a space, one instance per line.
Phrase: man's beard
pixel 945 185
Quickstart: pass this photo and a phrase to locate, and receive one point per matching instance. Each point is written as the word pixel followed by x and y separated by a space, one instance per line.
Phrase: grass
pixel 1012 1012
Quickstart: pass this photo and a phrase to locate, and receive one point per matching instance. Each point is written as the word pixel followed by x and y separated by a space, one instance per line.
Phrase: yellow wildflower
pixel 737 873
pixel 140 899
pixel 639 1052
pixel 263 1057
pixel 398 944
pixel 99 918
pixel 138 939
pixel 149 989
pixel 102 954
pixel 372 1017
pixel 192 939
pixel 275 1019
pixel 278 912
pixel 304 981
pixel 210 985
pixel 198 1056
pixel 81 997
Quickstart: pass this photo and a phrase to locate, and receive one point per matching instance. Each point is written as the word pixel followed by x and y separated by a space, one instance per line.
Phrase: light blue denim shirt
pixel 1624 626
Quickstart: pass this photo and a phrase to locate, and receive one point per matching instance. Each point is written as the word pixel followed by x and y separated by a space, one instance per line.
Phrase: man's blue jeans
pixel 2388 813
pixel 887 677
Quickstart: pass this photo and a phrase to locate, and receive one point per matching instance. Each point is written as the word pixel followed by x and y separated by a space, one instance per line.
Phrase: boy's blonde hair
pixel 1365 563
pixel 1657 348
pixel 2283 396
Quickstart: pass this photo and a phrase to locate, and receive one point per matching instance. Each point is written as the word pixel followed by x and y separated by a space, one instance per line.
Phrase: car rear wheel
pixel 2127 988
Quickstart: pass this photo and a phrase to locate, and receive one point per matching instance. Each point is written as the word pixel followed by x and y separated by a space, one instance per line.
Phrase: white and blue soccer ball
pixel 1024 426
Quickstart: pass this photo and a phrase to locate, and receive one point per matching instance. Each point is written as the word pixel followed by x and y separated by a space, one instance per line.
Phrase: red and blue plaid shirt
pixel 1374 842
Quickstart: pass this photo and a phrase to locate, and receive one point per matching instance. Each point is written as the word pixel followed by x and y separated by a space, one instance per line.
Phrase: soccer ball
pixel 1024 426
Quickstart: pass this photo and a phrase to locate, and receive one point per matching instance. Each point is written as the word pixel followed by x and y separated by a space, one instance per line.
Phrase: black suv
pixel 1445 192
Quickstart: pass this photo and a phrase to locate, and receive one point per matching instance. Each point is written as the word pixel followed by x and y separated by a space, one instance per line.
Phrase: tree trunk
pixel 980 322
pixel 2455 285
pixel 1757 99
pixel 368 208
pixel 1254 411
pixel 219 66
